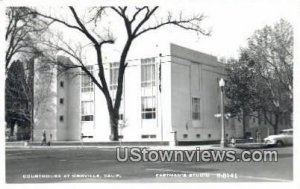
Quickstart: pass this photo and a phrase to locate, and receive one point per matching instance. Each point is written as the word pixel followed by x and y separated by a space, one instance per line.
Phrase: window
pixel 152 136
pixel 196 108
pixel 148 72
pixel 114 74
pixel 87 136
pixel 209 135
pixel 87 110
pixel 61 101
pixel 87 118
pixel 198 135
pixel 148 107
pixel 148 136
pixel 185 136
pixel 148 99
pixel 121 116
pixel 61 118
pixel 86 81
pixel 61 84
pixel 145 136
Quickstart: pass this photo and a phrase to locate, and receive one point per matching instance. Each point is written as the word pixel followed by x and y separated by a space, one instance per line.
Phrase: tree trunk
pixel 114 132
pixel 244 126
pixel 245 123
pixel 12 128
pixel 275 126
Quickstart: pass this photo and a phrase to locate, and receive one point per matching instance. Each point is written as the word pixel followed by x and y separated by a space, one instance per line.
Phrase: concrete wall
pixel 62 130
pixel 133 125
pixel 185 73
pixel 73 102
pixel 68 129
pixel 195 74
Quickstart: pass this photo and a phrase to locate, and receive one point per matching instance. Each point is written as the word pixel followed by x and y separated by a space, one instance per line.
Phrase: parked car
pixel 284 138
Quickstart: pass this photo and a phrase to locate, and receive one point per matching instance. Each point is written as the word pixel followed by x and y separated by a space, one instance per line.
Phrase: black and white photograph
pixel 173 92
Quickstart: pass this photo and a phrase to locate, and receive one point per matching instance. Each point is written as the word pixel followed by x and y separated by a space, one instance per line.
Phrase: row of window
pixel 61 101
pixel 197 135
pixel 148 136
pixel 148 75
pixel 148 101
pixel 87 109
pixel 153 136
pixel 148 109
pixel 121 136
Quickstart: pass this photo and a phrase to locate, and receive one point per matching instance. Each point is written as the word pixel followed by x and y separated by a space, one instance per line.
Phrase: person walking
pixel 44 141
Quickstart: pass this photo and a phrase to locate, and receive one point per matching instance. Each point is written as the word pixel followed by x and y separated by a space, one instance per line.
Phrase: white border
pixel 290 185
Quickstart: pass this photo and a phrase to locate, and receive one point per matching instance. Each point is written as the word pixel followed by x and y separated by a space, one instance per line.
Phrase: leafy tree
pixel 271 48
pixel 18 93
pixel 241 88
pixel 262 79
pixel 136 21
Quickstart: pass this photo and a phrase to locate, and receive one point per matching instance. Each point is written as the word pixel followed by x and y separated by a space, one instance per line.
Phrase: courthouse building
pixel 174 91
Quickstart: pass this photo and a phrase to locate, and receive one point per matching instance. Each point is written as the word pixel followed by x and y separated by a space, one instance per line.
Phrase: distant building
pixel 175 91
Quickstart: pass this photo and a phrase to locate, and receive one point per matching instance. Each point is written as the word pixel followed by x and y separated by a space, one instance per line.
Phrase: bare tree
pixel 22 33
pixel 137 21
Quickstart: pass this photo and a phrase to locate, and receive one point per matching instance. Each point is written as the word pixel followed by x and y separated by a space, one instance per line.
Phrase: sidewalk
pixel 70 145
pixel 194 147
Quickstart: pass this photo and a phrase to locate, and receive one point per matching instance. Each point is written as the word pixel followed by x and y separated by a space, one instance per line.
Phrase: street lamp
pixel 222 84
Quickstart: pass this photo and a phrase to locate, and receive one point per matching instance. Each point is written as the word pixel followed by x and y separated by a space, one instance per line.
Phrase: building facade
pixel 167 96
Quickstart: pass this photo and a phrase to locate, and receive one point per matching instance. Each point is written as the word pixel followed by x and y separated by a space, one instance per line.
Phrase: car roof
pixel 287 130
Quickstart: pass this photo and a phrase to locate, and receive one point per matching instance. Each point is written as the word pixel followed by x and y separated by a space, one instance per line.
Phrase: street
pixel 92 164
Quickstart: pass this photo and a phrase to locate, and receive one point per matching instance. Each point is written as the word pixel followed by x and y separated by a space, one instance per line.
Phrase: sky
pixel 231 23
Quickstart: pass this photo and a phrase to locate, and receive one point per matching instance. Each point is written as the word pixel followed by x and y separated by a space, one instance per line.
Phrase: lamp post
pixel 222 84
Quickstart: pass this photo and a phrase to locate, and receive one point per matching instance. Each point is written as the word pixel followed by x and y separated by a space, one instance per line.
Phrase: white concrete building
pixel 175 91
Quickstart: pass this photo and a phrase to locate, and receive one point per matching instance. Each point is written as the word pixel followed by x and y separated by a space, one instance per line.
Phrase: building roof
pixel 194 56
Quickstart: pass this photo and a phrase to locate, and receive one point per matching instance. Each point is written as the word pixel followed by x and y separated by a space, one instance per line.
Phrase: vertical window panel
pixel 87 84
pixel 148 98
pixel 148 72
pixel 196 108
pixel 87 110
